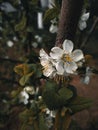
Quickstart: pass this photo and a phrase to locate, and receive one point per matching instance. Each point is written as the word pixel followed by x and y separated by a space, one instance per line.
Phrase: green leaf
pixel 65 94
pixel 21 26
pixel 54 97
pixel 24 80
pixel 51 14
pixel 79 104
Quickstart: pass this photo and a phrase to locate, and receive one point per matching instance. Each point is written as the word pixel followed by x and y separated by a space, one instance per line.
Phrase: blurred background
pixel 25 28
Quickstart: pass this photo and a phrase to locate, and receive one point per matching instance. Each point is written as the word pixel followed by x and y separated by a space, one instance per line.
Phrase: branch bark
pixel 69 17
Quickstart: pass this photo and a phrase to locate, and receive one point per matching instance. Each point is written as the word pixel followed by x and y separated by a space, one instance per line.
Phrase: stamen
pixel 66 58
pixel 60 78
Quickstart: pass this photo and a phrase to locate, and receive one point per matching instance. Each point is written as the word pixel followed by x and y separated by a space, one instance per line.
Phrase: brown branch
pixel 10 60
pixel 89 33
pixel 69 17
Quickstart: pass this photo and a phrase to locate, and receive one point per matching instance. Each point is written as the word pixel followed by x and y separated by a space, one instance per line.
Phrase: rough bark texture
pixel 69 17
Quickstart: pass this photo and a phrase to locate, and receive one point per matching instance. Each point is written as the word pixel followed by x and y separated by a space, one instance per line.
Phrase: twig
pixel 89 33
pixel 10 60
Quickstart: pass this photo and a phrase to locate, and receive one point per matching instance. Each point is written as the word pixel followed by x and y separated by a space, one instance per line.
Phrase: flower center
pixel 45 67
pixel 66 58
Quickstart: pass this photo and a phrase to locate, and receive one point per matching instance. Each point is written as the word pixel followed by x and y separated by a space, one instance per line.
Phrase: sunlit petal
pixel 70 67
pixel 49 71
pixel 56 52
pixel 68 46
pixel 44 61
pixel 77 55
pixel 85 16
pixel 60 68
pixel 43 54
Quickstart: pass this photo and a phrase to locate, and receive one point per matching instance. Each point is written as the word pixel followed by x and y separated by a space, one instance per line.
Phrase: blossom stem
pixel 69 17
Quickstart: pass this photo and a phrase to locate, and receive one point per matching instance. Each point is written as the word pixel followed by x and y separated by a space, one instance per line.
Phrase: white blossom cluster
pixel 54 26
pixel 83 20
pixel 61 61
pixel 24 94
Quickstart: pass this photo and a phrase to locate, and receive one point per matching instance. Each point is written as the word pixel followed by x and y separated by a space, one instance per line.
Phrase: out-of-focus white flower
pixel 83 19
pixel 7 7
pixel 53 27
pixel 35 44
pixel 29 90
pixel 66 60
pixel 49 121
pixel 39 97
pixel 40 20
pixel 88 74
pixel 23 97
pixel 10 43
pixel 51 113
pixel 51 3
pixel 46 62
pixel 38 38
pixel 15 39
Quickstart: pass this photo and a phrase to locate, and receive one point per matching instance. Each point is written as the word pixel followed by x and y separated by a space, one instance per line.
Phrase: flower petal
pixel 82 25
pixel 56 53
pixel 60 68
pixel 86 80
pixel 70 67
pixel 43 54
pixel 85 16
pixel 44 61
pixel 53 28
pixel 77 55
pixel 68 46
pixel 49 71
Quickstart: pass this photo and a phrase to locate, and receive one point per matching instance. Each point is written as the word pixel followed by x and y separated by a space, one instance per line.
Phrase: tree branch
pixel 69 17
pixel 89 33
pixel 10 60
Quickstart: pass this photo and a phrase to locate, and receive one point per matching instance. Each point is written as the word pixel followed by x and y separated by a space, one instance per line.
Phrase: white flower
pixel 88 74
pixel 49 117
pixel 66 60
pixel 29 90
pixel 82 22
pixel 51 113
pixel 51 3
pixel 15 39
pixel 23 97
pixel 53 27
pixel 10 43
pixel 35 44
pixel 38 38
pixel 46 62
